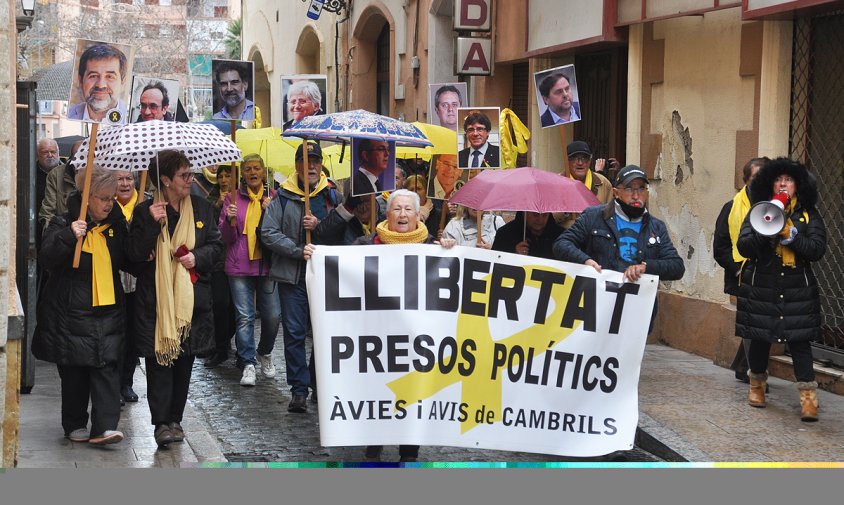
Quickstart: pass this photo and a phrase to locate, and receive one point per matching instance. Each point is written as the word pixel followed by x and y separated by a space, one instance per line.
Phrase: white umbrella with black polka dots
pixel 133 146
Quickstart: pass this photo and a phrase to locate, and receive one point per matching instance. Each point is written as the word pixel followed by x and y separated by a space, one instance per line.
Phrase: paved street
pixel 252 424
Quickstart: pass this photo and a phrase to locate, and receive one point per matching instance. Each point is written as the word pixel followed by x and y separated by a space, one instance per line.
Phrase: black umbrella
pixel 65 143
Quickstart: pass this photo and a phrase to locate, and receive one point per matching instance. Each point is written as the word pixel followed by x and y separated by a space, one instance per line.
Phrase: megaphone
pixel 768 218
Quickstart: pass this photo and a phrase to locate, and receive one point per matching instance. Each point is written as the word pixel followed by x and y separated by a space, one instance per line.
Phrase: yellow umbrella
pixel 331 160
pixel 278 153
pixel 444 140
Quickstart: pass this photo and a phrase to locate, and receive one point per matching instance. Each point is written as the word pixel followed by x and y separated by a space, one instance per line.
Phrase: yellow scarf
pixel 418 236
pixel 741 206
pixel 102 278
pixel 587 182
pixel 130 205
pixel 783 251
pixel 173 288
pixel 253 215
pixel 515 142
pixel 210 176
pixel 365 228
pixel 292 184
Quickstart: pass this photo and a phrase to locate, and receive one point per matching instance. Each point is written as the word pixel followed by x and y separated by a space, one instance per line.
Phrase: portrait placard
pixel 233 89
pixel 153 98
pixel 303 95
pixel 556 96
pixel 477 147
pixel 444 178
pixel 373 166
pixel 443 101
pixel 99 91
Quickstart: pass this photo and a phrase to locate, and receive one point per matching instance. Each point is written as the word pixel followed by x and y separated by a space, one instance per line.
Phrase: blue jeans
pixel 295 321
pixel 245 291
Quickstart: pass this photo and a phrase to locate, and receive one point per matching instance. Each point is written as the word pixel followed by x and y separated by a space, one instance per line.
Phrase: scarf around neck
pixel 386 236
pixel 789 259
pixel 587 182
pixel 129 207
pixel 292 184
pixel 741 206
pixel 102 277
pixel 210 176
pixel 173 287
pixel 250 225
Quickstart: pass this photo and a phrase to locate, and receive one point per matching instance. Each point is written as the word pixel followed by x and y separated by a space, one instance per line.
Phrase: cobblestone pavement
pixel 252 424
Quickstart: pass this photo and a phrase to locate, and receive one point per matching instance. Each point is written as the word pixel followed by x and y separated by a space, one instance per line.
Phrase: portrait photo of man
pixel 444 177
pixel 373 166
pixel 481 133
pixel 98 93
pixel 303 96
pixel 151 99
pixel 233 92
pixel 443 102
pixel 556 95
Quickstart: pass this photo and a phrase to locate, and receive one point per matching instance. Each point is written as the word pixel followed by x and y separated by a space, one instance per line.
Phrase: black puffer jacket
pixel 208 249
pixel 70 331
pixel 778 303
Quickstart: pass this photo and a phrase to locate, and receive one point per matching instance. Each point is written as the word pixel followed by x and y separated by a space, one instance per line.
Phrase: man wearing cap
pixel 283 233
pixel 580 157
pixel 622 235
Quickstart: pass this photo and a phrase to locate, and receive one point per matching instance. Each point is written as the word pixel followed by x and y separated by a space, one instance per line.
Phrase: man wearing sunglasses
pixel 622 235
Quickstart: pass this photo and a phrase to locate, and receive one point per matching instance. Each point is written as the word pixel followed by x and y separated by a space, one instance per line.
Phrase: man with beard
pixel 622 235
pixel 47 158
pixel 59 185
pixel 154 103
pixel 233 81
pixel 557 94
pixel 102 74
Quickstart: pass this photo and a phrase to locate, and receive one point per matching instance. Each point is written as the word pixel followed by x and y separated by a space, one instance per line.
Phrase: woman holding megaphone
pixel 778 300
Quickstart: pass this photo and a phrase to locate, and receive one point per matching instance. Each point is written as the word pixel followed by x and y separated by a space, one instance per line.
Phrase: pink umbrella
pixel 527 189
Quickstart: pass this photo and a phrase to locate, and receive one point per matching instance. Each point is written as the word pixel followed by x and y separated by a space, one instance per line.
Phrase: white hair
pixel 309 89
pixel 404 192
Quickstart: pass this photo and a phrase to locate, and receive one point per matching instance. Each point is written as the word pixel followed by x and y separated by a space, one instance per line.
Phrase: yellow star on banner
pixel 479 390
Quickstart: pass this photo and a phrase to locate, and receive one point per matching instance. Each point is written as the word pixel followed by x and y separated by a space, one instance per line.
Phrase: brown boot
pixel 808 401
pixel 756 396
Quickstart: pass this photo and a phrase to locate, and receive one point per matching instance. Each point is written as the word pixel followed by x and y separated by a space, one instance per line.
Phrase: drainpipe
pixel 336 56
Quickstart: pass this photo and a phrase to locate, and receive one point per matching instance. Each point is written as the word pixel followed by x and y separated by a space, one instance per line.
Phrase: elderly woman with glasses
pixel 81 314
pixel 173 243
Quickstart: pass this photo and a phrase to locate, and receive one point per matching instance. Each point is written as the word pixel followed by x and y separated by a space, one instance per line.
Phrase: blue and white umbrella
pixel 341 126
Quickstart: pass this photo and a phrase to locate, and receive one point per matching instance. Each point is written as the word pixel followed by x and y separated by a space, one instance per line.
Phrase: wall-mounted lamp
pixel 28 7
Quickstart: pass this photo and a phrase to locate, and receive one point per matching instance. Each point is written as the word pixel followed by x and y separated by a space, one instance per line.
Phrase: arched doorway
pixel 262 89
pixel 372 63
pixel 309 52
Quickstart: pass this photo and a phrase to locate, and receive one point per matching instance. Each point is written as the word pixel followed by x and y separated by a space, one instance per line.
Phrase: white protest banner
pixel 416 344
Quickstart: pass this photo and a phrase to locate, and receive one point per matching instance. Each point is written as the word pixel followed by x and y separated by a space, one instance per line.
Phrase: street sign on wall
pixel 473 56
pixel 473 15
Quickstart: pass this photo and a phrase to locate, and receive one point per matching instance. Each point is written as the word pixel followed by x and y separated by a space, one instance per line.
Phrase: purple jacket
pixel 237 245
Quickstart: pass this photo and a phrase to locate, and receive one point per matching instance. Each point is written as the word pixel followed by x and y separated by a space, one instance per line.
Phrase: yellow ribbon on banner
pixel 514 136
pixel 478 391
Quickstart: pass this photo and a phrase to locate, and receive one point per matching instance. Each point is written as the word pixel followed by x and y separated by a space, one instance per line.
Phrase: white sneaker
pixel 248 377
pixel 107 437
pixel 267 367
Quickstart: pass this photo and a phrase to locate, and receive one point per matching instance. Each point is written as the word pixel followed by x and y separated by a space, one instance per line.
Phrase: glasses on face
pixel 187 176
pixel 580 158
pixel 150 106
pixel 630 191
pixel 103 199
pixel 478 129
